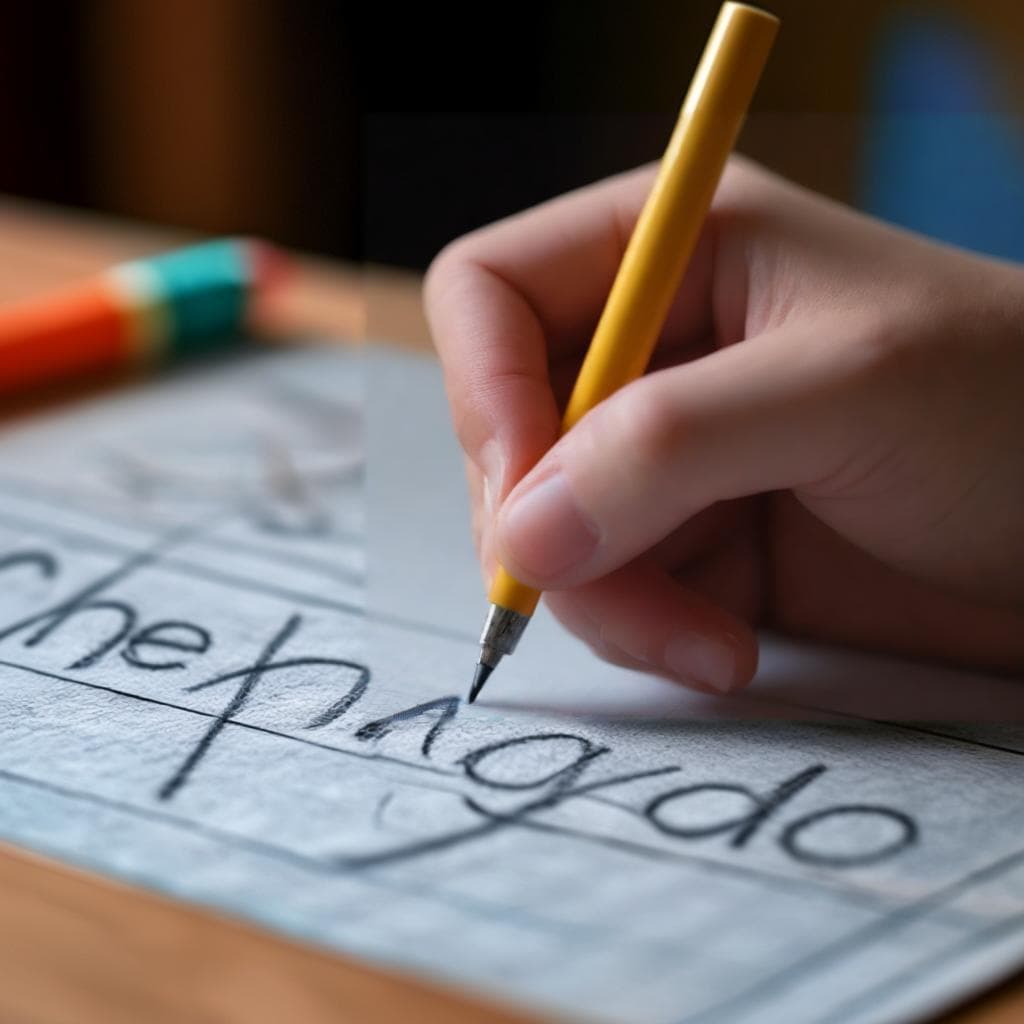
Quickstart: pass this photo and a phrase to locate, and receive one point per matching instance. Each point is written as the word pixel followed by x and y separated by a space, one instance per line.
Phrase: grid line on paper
pixel 890 922
pixel 234 722
pixel 637 848
pixel 192 570
pixel 927 966
pixel 229 839
pixel 60 498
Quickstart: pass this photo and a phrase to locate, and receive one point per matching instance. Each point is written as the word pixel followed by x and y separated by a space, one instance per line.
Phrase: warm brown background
pixel 374 131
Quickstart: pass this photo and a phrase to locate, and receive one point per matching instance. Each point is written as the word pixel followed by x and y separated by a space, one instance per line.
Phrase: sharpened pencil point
pixel 483 673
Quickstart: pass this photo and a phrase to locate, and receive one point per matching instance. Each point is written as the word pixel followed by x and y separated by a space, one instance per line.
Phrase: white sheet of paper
pixel 215 629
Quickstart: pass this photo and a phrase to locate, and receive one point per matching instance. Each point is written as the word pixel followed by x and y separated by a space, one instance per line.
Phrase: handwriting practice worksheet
pixel 238 618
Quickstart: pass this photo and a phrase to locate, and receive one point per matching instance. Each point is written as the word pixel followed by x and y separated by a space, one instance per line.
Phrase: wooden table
pixel 77 948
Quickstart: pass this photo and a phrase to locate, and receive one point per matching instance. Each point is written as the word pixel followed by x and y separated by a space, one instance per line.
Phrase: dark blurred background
pixel 379 132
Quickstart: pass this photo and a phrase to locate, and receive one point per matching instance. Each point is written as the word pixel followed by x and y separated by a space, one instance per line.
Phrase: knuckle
pixel 472 427
pixel 443 267
pixel 886 355
pixel 649 424
pixel 448 269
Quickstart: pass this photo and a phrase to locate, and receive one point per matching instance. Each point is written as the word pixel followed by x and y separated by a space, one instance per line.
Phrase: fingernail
pixel 545 531
pixel 702 659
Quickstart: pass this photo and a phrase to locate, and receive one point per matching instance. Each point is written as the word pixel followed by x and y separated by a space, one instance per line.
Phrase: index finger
pixel 504 300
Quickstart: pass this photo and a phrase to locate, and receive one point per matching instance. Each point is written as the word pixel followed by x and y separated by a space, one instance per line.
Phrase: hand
pixel 830 441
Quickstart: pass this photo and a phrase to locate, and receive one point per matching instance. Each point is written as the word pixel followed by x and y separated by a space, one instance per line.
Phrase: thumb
pixel 775 412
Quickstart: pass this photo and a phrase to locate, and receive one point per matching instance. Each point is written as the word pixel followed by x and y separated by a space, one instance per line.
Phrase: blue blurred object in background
pixel 942 155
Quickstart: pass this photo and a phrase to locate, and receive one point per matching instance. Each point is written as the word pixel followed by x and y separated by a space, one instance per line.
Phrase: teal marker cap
pixel 198 299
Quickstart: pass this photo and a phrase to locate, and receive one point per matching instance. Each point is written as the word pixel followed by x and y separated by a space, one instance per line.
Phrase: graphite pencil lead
pixel 483 673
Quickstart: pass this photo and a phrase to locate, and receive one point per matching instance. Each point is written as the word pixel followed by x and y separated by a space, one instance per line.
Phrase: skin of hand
pixel 829 441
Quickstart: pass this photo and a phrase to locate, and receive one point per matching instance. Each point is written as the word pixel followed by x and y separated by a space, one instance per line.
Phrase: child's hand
pixel 830 440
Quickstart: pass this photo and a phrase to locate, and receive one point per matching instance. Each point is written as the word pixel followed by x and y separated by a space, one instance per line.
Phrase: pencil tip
pixel 483 673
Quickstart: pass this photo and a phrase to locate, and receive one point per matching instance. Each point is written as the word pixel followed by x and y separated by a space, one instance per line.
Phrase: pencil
pixel 654 262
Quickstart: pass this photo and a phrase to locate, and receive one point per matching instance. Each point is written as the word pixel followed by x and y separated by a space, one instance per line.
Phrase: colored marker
pixel 180 303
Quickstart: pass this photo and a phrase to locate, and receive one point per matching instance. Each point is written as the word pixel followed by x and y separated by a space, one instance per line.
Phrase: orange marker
pixel 179 303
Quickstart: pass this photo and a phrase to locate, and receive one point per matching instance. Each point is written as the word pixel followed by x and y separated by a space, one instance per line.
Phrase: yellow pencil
pixel 654 262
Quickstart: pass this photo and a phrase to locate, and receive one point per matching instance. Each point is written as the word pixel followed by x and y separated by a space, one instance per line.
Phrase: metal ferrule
pixel 502 629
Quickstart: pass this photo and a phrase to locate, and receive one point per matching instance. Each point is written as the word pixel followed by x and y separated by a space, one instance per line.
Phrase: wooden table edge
pixel 79 947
